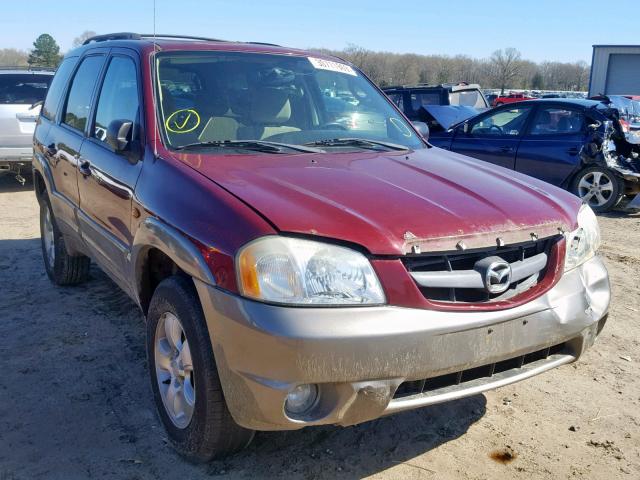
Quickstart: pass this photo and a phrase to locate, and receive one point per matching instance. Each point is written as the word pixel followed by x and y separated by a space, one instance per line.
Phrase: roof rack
pixel 145 36
pixel 180 37
pixel 112 36
pixel 263 43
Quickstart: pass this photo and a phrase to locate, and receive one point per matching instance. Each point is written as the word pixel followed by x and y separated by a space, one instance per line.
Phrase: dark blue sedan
pixel 575 144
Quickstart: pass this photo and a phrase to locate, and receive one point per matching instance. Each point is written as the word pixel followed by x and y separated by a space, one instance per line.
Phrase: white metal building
pixel 615 70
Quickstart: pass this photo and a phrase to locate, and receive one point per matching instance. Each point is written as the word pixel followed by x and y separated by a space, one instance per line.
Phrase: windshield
pixel 213 97
pixel 23 88
pixel 468 98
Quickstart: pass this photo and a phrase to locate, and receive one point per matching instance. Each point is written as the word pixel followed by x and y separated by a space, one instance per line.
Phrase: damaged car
pixel 575 144
pixel 295 270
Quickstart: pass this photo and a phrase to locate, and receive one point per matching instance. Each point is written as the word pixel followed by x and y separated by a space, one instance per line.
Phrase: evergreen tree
pixel 45 53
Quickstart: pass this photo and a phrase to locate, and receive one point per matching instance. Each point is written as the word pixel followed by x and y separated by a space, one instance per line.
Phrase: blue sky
pixel 541 30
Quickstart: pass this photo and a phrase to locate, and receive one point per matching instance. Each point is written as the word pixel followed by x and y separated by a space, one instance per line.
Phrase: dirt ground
pixel 75 400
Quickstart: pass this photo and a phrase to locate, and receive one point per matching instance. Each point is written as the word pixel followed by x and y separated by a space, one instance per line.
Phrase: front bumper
pixel 360 356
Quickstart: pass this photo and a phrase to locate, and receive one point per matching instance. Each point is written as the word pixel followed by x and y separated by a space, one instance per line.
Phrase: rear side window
pixel 557 121
pixel 79 99
pixel 118 97
pixel 421 99
pixel 57 88
pixel 468 98
pixel 23 88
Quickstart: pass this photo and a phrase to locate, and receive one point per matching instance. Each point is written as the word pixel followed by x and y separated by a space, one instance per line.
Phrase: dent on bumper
pixel 359 356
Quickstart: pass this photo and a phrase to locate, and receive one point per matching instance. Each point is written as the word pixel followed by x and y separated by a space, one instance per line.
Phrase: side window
pixel 396 98
pixel 508 122
pixel 427 98
pixel 57 87
pixel 118 97
pixel 557 121
pixel 79 100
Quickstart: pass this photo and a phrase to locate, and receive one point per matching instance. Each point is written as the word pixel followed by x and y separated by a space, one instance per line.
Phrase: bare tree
pixel 505 69
pixel 79 40
pixel 11 57
pixel 505 65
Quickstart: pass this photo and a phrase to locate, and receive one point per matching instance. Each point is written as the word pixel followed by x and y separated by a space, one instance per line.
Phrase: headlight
pixel 583 242
pixel 304 272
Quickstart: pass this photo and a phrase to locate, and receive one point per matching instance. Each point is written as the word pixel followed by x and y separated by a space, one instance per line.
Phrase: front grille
pixel 460 378
pixel 440 276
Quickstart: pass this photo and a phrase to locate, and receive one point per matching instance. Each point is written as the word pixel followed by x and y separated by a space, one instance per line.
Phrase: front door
pixel 106 178
pixel 493 137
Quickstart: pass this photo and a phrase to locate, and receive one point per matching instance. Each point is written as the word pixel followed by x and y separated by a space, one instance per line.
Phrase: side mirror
pixel 118 133
pixel 422 128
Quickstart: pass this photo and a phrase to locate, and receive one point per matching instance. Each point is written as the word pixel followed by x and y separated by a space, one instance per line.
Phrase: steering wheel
pixel 333 126
pixel 496 127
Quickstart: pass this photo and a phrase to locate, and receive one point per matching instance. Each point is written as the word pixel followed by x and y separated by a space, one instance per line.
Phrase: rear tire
pixel 62 268
pixel 598 187
pixel 180 358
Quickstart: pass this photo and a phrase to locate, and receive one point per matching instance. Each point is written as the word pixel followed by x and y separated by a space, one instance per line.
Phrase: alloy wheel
pixel 595 188
pixel 174 370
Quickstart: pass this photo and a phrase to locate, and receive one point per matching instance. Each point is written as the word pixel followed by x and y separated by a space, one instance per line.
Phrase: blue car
pixel 575 144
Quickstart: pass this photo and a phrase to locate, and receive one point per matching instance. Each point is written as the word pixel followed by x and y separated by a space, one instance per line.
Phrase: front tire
pixel 184 377
pixel 62 268
pixel 599 188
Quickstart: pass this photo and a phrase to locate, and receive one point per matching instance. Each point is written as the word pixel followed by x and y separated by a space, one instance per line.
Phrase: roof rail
pixel 147 36
pixel 264 43
pixel 112 36
pixel 179 37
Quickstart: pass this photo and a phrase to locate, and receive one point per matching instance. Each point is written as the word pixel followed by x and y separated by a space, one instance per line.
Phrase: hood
pixel 450 115
pixel 390 202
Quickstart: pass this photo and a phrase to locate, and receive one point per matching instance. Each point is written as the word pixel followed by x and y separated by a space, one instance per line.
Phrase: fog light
pixel 301 398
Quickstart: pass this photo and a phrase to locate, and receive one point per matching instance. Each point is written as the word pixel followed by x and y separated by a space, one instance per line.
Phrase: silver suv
pixel 22 92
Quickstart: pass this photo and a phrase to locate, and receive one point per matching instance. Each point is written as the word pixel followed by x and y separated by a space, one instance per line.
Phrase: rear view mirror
pixel 118 135
pixel 422 128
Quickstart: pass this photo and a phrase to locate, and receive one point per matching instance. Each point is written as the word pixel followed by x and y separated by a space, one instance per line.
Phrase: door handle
pixel 506 149
pixel 50 149
pixel 85 168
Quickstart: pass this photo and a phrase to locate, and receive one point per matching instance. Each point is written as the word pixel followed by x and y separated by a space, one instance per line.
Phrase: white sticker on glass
pixel 333 66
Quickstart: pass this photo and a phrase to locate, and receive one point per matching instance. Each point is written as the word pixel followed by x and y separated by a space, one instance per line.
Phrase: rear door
pixel 550 149
pixel 62 144
pixel 107 179
pixel 18 92
pixel 493 137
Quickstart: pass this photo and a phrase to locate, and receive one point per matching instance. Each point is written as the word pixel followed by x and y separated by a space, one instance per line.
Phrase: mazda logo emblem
pixel 496 274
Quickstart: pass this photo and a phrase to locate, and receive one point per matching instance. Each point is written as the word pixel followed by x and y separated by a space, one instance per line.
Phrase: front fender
pixel 153 233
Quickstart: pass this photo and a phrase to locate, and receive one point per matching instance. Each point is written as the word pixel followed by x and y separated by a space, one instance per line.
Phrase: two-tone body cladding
pixel 301 254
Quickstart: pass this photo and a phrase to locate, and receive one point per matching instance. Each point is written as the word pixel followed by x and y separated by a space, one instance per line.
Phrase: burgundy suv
pixel 302 256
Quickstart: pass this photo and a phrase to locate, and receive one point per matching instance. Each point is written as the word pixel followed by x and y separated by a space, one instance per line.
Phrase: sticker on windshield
pixel 332 66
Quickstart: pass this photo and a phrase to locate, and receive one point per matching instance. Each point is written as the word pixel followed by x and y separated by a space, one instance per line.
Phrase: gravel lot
pixel 75 400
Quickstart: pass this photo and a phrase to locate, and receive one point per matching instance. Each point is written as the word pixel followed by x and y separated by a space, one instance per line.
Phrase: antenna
pixel 155 113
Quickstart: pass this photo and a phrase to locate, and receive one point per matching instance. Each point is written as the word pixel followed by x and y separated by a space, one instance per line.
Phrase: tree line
pixel 45 52
pixel 504 69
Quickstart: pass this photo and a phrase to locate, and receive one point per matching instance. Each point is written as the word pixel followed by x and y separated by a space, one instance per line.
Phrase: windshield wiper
pixel 257 145
pixel 356 142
